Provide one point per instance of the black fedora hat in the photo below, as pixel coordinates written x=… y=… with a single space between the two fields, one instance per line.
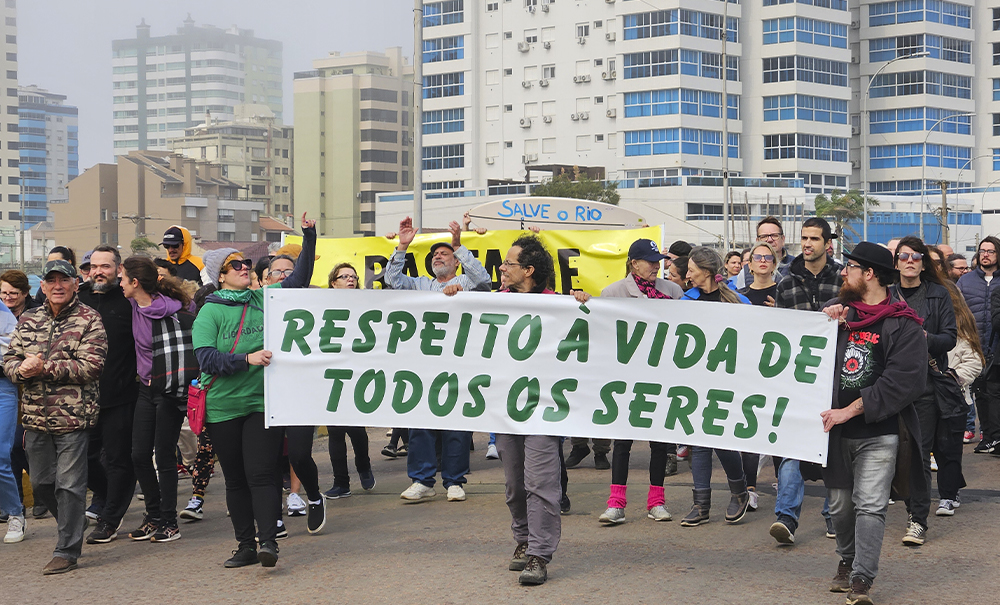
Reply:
x=872 y=255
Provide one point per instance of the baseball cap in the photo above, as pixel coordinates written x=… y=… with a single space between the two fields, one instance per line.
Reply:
x=59 y=266
x=439 y=244
x=645 y=249
x=173 y=237
x=86 y=260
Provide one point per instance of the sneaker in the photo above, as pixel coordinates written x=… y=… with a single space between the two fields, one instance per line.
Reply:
x=39 y=511
x=520 y=557
x=782 y=533
x=491 y=452
x=402 y=450
x=601 y=462
x=968 y=436
x=842 y=581
x=534 y=572
x=316 y=518
x=242 y=557
x=58 y=565
x=268 y=554
x=367 y=481
x=683 y=452
x=193 y=512
x=659 y=513
x=671 y=469
x=146 y=530
x=183 y=472
x=934 y=466
x=15 y=529
x=103 y=534
x=858 y=594
x=753 y=498
x=576 y=456
x=456 y=493
x=296 y=506
x=418 y=492
x=93 y=511
x=336 y=492
x=916 y=534
x=166 y=533
x=612 y=516
x=946 y=508
x=282 y=532
x=986 y=447
x=830 y=531
x=390 y=452
x=564 y=505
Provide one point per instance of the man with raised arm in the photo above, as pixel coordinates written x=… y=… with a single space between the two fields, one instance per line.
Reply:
x=445 y=260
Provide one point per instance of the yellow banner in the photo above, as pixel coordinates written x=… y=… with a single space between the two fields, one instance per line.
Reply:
x=584 y=260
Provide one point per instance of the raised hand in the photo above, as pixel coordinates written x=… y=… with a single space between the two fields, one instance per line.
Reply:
x=456 y=234
x=307 y=223
x=406 y=233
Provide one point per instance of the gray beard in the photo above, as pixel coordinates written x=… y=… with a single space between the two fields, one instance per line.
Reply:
x=441 y=271
x=104 y=288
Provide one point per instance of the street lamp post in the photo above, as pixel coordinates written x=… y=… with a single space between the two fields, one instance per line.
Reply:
x=923 y=165
x=864 y=130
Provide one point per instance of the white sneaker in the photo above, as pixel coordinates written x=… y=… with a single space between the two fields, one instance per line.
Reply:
x=296 y=506
x=418 y=492
x=491 y=452
x=612 y=516
x=754 y=497
x=659 y=513
x=15 y=529
x=946 y=508
x=456 y=493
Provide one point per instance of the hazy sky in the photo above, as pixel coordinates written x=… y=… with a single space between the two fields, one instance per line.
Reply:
x=65 y=45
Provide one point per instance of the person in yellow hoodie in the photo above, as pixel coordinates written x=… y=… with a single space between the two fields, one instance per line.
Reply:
x=177 y=241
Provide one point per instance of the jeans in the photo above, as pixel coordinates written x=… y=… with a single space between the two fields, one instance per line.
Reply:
x=338 y=452
x=156 y=427
x=657 y=462
x=791 y=491
x=493 y=439
x=300 y=441
x=701 y=465
x=116 y=425
x=249 y=456
x=859 y=512
x=59 y=481
x=10 y=499
x=533 y=489
x=421 y=461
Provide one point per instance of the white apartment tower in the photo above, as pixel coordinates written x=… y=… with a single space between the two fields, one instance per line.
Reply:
x=9 y=154
x=165 y=84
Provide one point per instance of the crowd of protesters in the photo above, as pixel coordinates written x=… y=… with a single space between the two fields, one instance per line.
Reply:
x=97 y=368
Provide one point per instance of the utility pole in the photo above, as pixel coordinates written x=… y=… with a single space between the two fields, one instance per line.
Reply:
x=944 y=212
x=135 y=218
x=418 y=120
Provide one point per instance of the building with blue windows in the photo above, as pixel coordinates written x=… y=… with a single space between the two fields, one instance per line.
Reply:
x=49 y=150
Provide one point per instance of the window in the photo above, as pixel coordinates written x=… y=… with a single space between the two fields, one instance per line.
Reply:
x=805 y=69
x=667 y=141
x=492 y=7
x=582 y=30
x=444 y=85
x=444 y=13
x=548 y=72
x=227 y=216
x=650 y=64
x=779 y=30
x=650 y=25
x=380 y=136
x=996 y=124
x=909 y=11
x=444 y=49
x=444 y=120
x=378 y=155
x=443 y=156
x=806 y=146
x=379 y=176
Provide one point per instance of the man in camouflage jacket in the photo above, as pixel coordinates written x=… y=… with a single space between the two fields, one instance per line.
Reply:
x=57 y=353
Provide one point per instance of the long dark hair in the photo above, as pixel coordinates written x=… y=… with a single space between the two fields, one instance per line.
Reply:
x=144 y=271
x=67 y=254
x=930 y=271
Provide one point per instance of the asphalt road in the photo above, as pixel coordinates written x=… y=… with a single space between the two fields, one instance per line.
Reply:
x=376 y=549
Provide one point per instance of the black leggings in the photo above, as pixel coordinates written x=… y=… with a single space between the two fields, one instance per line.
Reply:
x=300 y=440
x=750 y=464
x=338 y=452
x=249 y=456
x=657 y=461
x=156 y=426
x=396 y=435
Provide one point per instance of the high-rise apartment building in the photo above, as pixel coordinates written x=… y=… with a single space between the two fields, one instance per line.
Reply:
x=353 y=137
x=9 y=156
x=49 y=148
x=165 y=84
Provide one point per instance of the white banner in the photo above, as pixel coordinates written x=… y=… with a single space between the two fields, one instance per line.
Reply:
x=735 y=377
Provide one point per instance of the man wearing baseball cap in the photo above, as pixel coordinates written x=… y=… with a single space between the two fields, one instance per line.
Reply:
x=880 y=369
x=85 y=267
x=57 y=354
x=177 y=242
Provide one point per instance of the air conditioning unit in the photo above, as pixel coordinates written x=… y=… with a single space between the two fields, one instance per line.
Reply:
x=546 y=45
x=612 y=113
x=574 y=116
x=855 y=164
x=855 y=25
x=543 y=83
x=523 y=47
x=855 y=59
x=581 y=40
x=526 y=84
x=855 y=130
x=532 y=157
x=525 y=122
x=531 y=9
x=547 y=119
x=585 y=78
x=606 y=75
x=584 y=115
x=490 y=161
x=576 y=78
x=545 y=8
x=614 y=74
x=610 y=36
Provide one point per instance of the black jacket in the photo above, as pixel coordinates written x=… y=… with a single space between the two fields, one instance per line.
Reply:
x=802 y=290
x=978 y=295
x=188 y=271
x=939 y=321
x=119 y=380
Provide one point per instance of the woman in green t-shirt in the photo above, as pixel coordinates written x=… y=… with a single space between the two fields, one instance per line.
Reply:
x=228 y=339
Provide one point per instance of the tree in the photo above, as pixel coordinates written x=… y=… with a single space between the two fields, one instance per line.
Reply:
x=141 y=245
x=841 y=208
x=580 y=187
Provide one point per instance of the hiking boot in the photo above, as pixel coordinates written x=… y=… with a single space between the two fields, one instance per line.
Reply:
x=58 y=565
x=842 y=581
x=671 y=465
x=243 y=556
x=520 y=557
x=738 y=503
x=146 y=530
x=534 y=572
x=601 y=462
x=858 y=595
x=268 y=554
x=916 y=534
x=103 y=534
x=659 y=513
x=699 y=511
x=782 y=533
x=316 y=517
x=612 y=516
x=576 y=455
x=193 y=511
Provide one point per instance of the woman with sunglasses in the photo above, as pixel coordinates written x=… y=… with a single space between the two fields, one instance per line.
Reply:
x=228 y=340
x=762 y=265
x=921 y=285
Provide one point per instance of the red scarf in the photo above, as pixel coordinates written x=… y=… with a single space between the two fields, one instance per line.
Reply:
x=648 y=288
x=869 y=314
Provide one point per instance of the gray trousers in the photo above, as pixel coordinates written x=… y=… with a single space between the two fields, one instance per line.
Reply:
x=601 y=446
x=533 y=489
x=59 y=481
x=859 y=513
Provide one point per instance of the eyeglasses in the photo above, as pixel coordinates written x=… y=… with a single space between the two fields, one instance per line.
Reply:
x=347 y=277
x=171 y=246
x=11 y=294
x=769 y=236
x=987 y=252
x=510 y=264
x=239 y=265
x=962 y=269
x=282 y=272
x=905 y=256
x=850 y=266
x=768 y=257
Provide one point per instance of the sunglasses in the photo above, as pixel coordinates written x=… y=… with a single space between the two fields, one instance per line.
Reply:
x=171 y=246
x=239 y=265
x=768 y=257
x=905 y=256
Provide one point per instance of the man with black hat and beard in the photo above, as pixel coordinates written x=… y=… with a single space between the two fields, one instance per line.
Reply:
x=881 y=368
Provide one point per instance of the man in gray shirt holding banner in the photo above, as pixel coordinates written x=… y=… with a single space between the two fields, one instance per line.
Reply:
x=445 y=259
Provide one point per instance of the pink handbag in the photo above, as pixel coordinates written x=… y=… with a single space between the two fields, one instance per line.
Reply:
x=198 y=395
